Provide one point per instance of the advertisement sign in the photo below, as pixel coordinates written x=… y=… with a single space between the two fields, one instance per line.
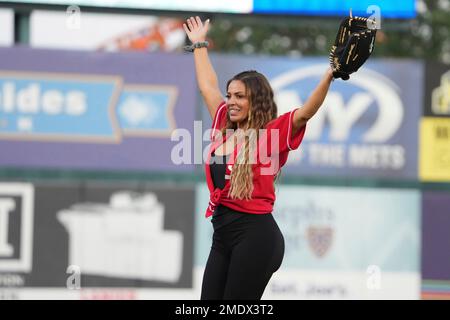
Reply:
x=388 y=9
x=434 y=152
x=79 y=30
x=340 y=243
x=111 y=111
x=366 y=127
x=86 y=240
x=434 y=149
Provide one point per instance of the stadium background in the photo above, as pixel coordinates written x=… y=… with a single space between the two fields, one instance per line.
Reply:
x=102 y=189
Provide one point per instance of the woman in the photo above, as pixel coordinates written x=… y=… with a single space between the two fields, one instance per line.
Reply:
x=248 y=246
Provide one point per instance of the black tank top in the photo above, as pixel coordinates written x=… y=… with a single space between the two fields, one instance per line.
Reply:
x=218 y=167
x=222 y=215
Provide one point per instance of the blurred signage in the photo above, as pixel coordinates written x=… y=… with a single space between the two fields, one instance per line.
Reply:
x=58 y=106
x=117 y=32
x=87 y=241
x=437 y=90
x=16 y=226
x=75 y=107
x=367 y=126
x=81 y=110
x=340 y=243
x=434 y=149
x=388 y=9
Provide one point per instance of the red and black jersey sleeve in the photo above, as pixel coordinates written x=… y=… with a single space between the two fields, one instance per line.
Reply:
x=281 y=128
x=219 y=121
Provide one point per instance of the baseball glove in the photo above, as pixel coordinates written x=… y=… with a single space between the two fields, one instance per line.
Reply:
x=353 y=46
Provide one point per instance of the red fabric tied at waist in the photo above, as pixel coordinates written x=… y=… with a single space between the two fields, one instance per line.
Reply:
x=214 y=201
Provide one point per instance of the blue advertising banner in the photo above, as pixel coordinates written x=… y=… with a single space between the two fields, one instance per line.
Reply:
x=367 y=126
x=76 y=110
x=77 y=240
x=57 y=106
x=387 y=9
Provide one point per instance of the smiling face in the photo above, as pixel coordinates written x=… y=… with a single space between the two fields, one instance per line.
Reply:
x=238 y=103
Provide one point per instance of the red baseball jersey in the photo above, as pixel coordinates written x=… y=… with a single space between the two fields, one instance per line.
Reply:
x=272 y=150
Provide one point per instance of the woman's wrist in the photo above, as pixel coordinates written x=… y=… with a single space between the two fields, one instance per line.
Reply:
x=329 y=74
x=196 y=45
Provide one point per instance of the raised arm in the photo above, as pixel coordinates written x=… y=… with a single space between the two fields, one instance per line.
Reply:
x=206 y=76
x=315 y=100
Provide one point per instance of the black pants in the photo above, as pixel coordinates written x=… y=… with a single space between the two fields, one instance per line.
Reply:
x=244 y=255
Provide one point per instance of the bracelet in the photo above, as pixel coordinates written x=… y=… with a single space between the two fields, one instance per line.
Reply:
x=192 y=47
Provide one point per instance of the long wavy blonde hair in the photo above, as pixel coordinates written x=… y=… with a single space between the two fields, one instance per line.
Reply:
x=262 y=110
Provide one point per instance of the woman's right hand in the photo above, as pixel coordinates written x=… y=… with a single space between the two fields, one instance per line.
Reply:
x=195 y=29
